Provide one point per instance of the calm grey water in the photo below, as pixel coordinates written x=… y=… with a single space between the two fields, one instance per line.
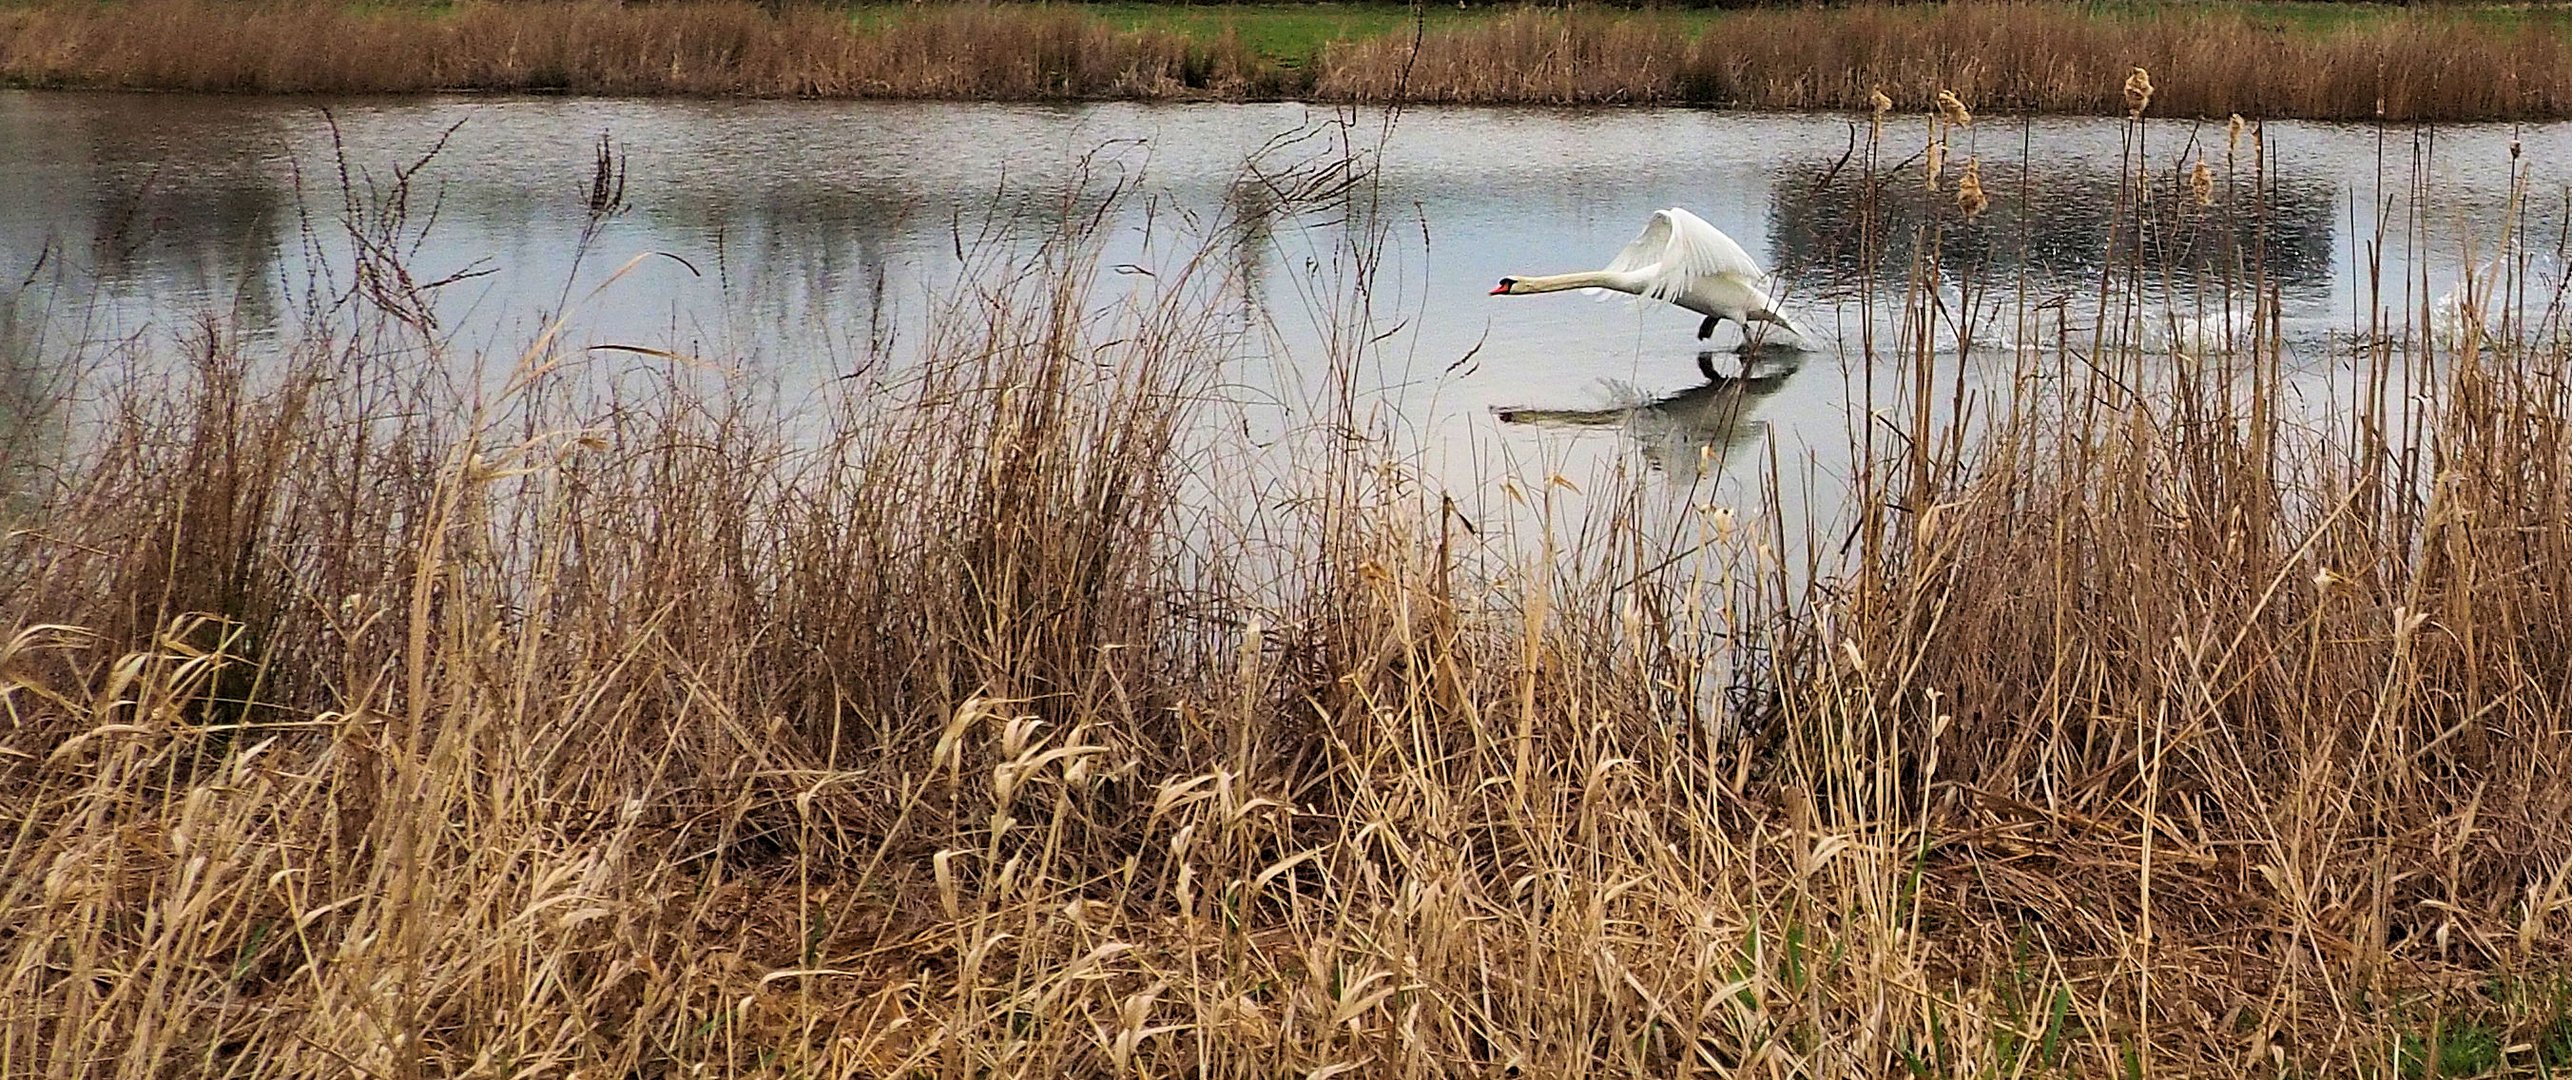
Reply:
x=823 y=232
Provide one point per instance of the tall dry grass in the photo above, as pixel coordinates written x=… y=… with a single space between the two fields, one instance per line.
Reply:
x=2015 y=57
x=708 y=47
x=2424 y=64
x=364 y=721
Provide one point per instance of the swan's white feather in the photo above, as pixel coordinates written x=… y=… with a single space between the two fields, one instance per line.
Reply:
x=1677 y=250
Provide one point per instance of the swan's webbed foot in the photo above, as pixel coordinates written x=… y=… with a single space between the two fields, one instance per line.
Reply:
x=1706 y=329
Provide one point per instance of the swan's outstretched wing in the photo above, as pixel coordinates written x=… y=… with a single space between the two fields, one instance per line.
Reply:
x=1678 y=249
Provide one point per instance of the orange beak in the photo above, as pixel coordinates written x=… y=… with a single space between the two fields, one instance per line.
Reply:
x=1501 y=289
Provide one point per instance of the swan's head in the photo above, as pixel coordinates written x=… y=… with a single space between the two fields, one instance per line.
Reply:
x=1507 y=286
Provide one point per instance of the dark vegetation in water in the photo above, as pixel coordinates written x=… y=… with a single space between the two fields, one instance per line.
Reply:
x=2266 y=61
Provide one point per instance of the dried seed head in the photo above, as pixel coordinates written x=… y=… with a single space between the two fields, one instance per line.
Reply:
x=1953 y=109
x=1882 y=103
x=1969 y=189
x=1937 y=162
x=2201 y=183
x=1723 y=522
x=2138 y=93
x=2233 y=134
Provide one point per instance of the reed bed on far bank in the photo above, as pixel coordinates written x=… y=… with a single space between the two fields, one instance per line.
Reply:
x=2409 y=64
x=2013 y=56
x=594 y=47
x=359 y=723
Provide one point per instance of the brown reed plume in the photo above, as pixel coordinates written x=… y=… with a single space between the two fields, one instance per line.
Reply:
x=1969 y=189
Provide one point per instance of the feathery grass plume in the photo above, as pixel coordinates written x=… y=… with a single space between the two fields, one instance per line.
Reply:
x=2201 y=183
x=2138 y=93
x=1969 y=189
x=1953 y=109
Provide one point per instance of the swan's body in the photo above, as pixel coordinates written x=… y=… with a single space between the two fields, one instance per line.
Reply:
x=1682 y=260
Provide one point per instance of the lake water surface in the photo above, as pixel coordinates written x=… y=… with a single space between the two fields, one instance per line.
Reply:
x=822 y=233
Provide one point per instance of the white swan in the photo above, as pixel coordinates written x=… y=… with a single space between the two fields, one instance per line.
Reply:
x=1682 y=260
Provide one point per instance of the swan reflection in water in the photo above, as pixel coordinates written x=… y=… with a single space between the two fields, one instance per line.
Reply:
x=1690 y=431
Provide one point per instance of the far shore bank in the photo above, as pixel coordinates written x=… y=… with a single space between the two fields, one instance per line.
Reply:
x=2274 y=61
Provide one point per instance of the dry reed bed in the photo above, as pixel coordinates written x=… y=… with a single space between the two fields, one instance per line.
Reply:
x=717 y=48
x=2410 y=65
x=354 y=726
x=2017 y=57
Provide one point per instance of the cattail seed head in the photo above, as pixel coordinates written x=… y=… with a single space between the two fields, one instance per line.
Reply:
x=1969 y=189
x=2201 y=183
x=2233 y=134
x=1937 y=162
x=1953 y=109
x=1881 y=103
x=2138 y=93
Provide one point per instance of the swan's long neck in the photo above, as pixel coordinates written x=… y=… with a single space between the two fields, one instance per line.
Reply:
x=1586 y=279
